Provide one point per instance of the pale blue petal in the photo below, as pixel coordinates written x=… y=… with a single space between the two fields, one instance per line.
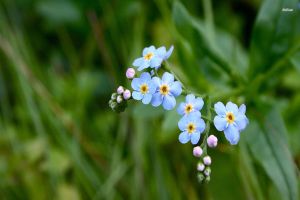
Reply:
x=167 y=77
x=241 y=121
x=190 y=98
x=183 y=123
x=200 y=125
x=147 y=98
x=155 y=62
x=220 y=109
x=161 y=52
x=156 y=81
x=145 y=76
x=169 y=102
x=242 y=109
x=184 y=137
x=195 y=137
x=169 y=52
x=175 y=88
x=232 y=134
x=156 y=99
x=152 y=87
x=180 y=109
x=148 y=50
x=198 y=103
x=137 y=95
x=145 y=65
x=220 y=123
x=231 y=107
x=135 y=84
x=195 y=116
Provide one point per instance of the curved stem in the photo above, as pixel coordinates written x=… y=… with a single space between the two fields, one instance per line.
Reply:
x=206 y=133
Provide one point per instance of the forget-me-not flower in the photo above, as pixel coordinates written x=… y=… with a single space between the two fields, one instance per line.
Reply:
x=231 y=120
x=191 y=126
x=143 y=87
x=152 y=57
x=166 y=91
x=191 y=104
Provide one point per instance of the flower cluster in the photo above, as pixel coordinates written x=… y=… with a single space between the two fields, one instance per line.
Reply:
x=150 y=88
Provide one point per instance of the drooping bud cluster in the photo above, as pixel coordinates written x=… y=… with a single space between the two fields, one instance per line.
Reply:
x=203 y=168
x=118 y=101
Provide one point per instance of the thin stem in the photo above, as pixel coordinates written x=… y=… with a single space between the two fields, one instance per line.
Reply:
x=204 y=144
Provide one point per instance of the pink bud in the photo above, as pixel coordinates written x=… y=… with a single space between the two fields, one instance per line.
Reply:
x=207 y=160
x=200 y=167
x=120 y=90
x=126 y=94
x=212 y=141
x=197 y=151
x=130 y=73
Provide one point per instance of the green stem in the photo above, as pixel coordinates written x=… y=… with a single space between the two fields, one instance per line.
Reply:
x=206 y=133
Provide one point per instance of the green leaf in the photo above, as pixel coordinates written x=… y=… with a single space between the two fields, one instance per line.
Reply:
x=274 y=33
x=295 y=60
x=267 y=140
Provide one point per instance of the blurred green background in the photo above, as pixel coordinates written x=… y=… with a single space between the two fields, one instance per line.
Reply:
x=60 y=60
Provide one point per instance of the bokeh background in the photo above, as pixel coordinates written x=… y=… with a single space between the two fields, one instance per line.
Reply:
x=60 y=60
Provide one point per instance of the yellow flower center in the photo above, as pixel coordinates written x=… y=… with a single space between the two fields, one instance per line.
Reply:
x=188 y=108
x=191 y=128
x=144 y=88
x=230 y=117
x=164 y=89
x=148 y=56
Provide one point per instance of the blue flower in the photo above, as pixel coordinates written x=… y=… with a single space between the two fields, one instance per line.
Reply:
x=190 y=105
x=191 y=126
x=231 y=120
x=144 y=88
x=166 y=91
x=152 y=57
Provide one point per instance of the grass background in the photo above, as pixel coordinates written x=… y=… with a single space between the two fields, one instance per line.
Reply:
x=61 y=60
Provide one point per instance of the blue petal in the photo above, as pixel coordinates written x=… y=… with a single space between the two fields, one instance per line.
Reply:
x=147 y=98
x=148 y=50
x=190 y=98
x=220 y=109
x=156 y=81
x=145 y=65
x=198 y=103
x=175 y=88
x=180 y=109
x=169 y=52
x=138 y=62
x=152 y=87
x=183 y=123
x=156 y=99
x=169 y=102
x=135 y=84
x=155 y=62
x=241 y=121
x=161 y=52
x=220 y=123
x=145 y=76
x=137 y=95
x=231 y=107
x=167 y=77
x=242 y=109
x=195 y=137
x=184 y=137
x=232 y=134
x=200 y=126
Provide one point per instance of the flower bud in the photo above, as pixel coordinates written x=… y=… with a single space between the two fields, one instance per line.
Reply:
x=119 y=99
x=113 y=105
x=212 y=141
x=200 y=177
x=126 y=94
x=114 y=96
x=207 y=160
x=120 y=90
x=130 y=73
x=207 y=179
x=197 y=151
x=207 y=171
x=200 y=167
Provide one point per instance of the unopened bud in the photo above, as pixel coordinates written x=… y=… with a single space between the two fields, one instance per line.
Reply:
x=119 y=99
x=207 y=171
x=207 y=160
x=212 y=141
x=120 y=90
x=200 y=166
x=197 y=151
x=126 y=94
x=130 y=73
